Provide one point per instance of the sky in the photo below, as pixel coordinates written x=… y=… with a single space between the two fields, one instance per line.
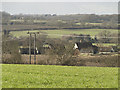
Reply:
x=60 y=8
x=60 y=0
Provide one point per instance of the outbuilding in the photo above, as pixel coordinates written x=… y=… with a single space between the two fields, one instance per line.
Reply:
x=86 y=47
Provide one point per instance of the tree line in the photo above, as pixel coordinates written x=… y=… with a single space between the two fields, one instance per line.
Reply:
x=63 y=21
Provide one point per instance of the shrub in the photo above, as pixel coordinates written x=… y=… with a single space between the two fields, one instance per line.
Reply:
x=10 y=51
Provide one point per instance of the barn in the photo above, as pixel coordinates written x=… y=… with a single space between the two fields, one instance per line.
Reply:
x=86 y=47
x=26 y=51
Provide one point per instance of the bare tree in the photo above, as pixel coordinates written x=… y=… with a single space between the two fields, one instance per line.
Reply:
x=105 y=36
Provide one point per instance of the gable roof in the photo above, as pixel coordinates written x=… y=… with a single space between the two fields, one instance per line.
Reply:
x=83 y=45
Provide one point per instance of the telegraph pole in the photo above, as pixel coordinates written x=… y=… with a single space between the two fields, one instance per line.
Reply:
x=29 y=47
x=30 y=34
x=35 y=48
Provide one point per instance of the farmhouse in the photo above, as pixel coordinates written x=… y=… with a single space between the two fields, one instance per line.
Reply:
x=86 y=47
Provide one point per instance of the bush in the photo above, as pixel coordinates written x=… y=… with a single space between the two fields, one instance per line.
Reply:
x=10 y=51
x=12 y=58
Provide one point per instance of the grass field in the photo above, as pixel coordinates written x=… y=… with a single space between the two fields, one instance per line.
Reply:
x=46 y=76
x=105 y=44
x=90 y=24
x=59 y=33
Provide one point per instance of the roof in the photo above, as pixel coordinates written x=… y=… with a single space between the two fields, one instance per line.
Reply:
x=84 y=44
x=105 y=49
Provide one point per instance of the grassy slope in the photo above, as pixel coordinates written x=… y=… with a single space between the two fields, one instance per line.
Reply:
x=45 y=76
x=92 y=32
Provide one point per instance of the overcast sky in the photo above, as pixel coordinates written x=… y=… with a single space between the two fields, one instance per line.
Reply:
x=61 y=7
x=60 y=0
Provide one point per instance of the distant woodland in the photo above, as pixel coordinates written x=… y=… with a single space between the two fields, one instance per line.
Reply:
x=72 y=21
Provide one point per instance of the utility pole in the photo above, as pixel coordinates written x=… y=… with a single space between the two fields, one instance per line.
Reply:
x=35 y=48
x=30 y=34
x=29 y=47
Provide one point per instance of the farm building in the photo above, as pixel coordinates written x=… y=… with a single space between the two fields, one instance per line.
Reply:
x=46 y=46
x=42 y=50
x=108 y=49
x=115 y=48
x=86 y=47
x=26 y=51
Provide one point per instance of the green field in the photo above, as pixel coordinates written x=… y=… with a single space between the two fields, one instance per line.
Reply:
x=105 y=44
x=46 y=76
x=90 y=24
x=59 y=33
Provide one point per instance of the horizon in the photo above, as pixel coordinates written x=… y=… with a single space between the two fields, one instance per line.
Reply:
x=60 y=8
x=56 y=14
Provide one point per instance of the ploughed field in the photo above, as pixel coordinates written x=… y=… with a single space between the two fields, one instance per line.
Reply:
x=51 y=76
